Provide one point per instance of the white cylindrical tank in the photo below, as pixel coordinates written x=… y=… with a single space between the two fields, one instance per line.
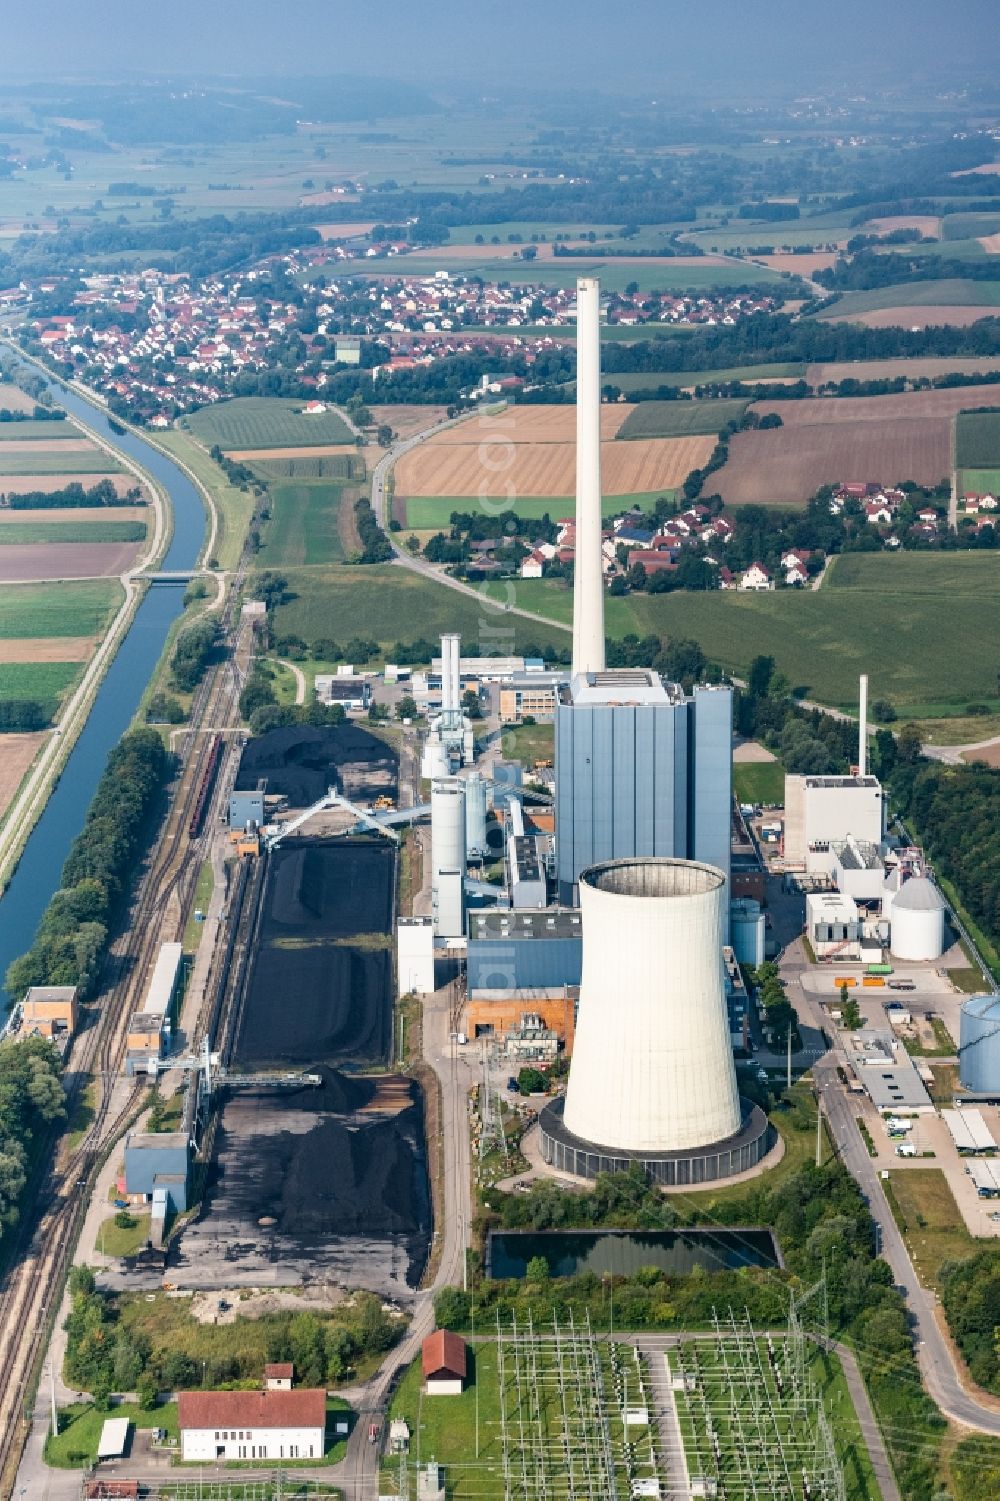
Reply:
x=746 y=930
x=652 y=1066
x=475 y=814
x=448 y=856
x=979 y=1044
x=917 y=920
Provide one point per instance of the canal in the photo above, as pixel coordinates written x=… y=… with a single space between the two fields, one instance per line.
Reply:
x=37 y=873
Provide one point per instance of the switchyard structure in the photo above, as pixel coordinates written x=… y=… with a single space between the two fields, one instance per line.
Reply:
x=752 y=1420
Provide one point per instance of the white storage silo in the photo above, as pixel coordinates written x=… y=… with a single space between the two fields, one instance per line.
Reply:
x=652 y=1068
x=746 y=930
x=475 y=815
x=448 y=856
x=979 y=1044
x=917 y=929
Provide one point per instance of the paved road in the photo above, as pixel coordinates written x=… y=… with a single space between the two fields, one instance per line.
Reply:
x=380 y=475
x=934 y=1354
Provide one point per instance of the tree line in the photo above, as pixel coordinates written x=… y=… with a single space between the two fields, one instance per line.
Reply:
x=73 y=495
x=31 y=1098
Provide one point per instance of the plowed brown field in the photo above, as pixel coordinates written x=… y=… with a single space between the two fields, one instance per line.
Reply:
x=16 y=754
x=787 y=465
x=547 y=468
x=555 y=424
x=46 y=648
x=66 y=560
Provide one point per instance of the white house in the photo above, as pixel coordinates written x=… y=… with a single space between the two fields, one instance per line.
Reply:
x=531 y=566
x=252 y=1425
x=756 y=577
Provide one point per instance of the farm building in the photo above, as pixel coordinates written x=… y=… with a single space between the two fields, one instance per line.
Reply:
x=252 y=1425
x=278 y=1377
x=444 y=1364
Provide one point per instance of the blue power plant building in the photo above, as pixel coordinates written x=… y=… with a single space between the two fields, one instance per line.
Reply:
x=642 y=768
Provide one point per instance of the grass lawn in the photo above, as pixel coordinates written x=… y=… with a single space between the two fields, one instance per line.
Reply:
x=928 y=1216
x=759 y=781
x=80 y=1427
x=39 y=680
x=959 y=729
x=977 y=439
x=114 y=1240
x=433 y=512
x=528 y=742
x=676 y=419
x=266 y=422
x=234 y=506
x=82 y=1117
x=15 y=533
x=968 y=980
x=797 y=1128
x=387 y=603
x=303 y=524
x=202 y=896
x=648 y=380
x=907 y=621
x=77 y=609
x=72 y=461
x=444 y=1428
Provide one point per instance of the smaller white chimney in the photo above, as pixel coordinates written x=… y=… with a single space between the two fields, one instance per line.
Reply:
x=863 y=728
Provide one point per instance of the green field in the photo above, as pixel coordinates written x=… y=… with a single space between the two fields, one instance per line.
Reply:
x=948 y=292
x=12 y=432
x=977 y=439
x=80 y=609
x=969 y=226
x=648 y=380
x=931 y=1223
x=791 y=232
x=13 y=533
x=90 y=461
x=677 y=419
x=563 y=272
x=528 y=742
x=759 y=781
x=314 y=466
x=444 y=1428
x=233 y=506
x=388 y=603
x=45 y=681
x=908 y=621
x=266 y=422
x=433 y=512
x=979 y=481
x=959 y=249
x=80 y=1430
x=303 y=525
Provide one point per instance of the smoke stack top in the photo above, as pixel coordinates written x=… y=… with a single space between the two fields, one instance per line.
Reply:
x=863 y=726
x=588 y=578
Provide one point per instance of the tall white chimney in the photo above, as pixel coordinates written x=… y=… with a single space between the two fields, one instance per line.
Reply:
x=588 y=579
x=863 y=727
x=451 y=691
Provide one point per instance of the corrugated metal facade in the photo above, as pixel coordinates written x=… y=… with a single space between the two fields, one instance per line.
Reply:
x=523 y=963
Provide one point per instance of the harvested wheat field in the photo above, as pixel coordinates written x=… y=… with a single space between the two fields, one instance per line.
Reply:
x=320 y=451
x=805 y=265
x=346 y=231
x=990 y=243
x=925 y=404
x=12 y=444
x=26 y=484
x=66 y=560
x=641 y=466
x=528 y=424
x=46 y=648
x=14 y=399
x=787 y=465
x=16 y=755
x=914 y=317
x=407 y=421
x=54 y=514
x=929 y=225
x=929 y=367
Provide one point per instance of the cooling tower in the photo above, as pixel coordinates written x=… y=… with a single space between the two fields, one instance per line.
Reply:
x=588 y=576
x=652 y=1076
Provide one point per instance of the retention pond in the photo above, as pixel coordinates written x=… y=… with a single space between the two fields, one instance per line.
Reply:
x=621 y=1252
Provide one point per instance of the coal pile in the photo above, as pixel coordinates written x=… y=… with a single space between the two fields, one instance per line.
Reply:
x=320 y=1182
x=301 y=763
x=313 y=995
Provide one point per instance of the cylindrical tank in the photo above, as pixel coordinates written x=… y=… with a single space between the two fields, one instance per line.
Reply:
x=917 y=920
x=652 y=1066
x=448 y=856
x=979 y=1044
x=746 y=930
x=475 y=814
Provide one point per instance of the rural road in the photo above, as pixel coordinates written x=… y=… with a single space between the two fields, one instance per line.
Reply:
x=380 y=475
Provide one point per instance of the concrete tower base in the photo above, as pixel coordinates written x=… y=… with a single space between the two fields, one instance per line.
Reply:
x=708 y=1164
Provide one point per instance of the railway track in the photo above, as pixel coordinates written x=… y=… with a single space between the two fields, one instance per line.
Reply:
x=31 y=1290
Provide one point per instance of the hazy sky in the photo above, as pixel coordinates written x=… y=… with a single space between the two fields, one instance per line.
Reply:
x=710 y=42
